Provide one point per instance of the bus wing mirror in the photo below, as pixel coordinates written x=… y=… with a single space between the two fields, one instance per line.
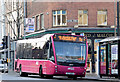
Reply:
x=47 y=45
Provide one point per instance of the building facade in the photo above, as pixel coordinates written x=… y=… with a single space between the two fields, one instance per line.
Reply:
x=71 y=14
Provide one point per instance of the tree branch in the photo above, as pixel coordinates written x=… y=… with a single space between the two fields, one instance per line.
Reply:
x=11 y=13
x=11 y=26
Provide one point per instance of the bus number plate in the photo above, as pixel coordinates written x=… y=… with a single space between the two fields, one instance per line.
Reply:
x=67 y=73
x=70 y=68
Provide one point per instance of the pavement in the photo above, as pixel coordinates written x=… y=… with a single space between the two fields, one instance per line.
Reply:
x=96 y=77
x=92 y=77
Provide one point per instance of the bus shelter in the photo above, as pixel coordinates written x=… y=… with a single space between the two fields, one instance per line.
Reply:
x=109 y=57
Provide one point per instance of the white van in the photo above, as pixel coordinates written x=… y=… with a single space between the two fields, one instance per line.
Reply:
x=3 y=66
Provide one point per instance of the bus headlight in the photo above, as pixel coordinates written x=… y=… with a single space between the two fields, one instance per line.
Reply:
x=56 y=68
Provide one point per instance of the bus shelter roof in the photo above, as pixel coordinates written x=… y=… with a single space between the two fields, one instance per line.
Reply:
x=111 y=39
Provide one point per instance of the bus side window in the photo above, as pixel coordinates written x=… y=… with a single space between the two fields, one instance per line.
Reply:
x=46 y=50
x=51 y=56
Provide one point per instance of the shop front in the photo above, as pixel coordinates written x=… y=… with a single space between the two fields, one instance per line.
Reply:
x=93 y=41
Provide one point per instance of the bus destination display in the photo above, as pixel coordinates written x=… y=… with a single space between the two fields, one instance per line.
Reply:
x=69 y=38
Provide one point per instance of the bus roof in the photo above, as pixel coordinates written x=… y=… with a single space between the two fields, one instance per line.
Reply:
x=37 y=42
x=111 y=39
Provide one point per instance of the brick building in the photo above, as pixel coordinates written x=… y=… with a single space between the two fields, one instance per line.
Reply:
x=94 y=19
x=72 y=11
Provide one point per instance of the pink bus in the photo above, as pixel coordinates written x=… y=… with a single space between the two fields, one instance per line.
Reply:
x=52 y=55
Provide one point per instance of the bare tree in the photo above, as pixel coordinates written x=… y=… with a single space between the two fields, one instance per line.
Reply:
x=17 y=8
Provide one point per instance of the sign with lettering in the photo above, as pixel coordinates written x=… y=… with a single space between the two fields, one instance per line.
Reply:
x=98 y=35
x=72 y=20
x=30 y=24
x=70 y=38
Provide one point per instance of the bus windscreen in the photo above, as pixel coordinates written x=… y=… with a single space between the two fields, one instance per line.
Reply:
x=70 y=53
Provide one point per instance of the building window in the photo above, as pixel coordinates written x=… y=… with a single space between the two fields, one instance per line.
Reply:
x=37 y=23
x=42 y=21
x=59 y=18
x=102 y=17
x=83 y=17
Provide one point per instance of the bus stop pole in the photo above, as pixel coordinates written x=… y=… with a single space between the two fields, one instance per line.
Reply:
x=118 y=40
x=24 y=18
x=117 y=17
x=8 y=52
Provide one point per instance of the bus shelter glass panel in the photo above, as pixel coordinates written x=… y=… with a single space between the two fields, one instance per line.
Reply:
x=103 y=59
x=114 y=59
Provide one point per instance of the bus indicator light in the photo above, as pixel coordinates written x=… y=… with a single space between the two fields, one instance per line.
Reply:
x=55 y=66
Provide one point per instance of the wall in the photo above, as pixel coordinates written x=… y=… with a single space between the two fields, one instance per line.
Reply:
x=72 y=8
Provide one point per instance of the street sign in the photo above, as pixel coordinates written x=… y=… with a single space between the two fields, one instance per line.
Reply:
x=72 y=20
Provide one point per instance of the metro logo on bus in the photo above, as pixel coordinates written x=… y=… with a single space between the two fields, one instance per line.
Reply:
x=69 y=38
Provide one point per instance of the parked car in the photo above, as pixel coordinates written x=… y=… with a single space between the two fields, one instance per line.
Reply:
x=3 y=66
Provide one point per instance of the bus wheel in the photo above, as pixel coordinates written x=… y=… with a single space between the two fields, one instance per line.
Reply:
x=22 y=73
x=2 y=71
x=74 y=78
x=70 y=76
x=49 y=76
x=40 y=71
x=100 y=76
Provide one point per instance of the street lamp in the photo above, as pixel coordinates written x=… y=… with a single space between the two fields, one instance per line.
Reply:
x=118 y=40
x=117 y=17
x=24 y=18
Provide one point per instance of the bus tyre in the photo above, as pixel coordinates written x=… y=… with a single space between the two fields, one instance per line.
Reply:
x=100 y=76
x=40 y=71
x=70 y=76
x=6 y=71
x=2 y=71
x=22 y=73
x=74 y=78
x=49 y=76
x=116 y=76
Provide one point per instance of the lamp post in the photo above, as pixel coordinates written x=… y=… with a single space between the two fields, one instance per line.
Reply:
x=117 y=17
x=118 y=40
x=24 y=18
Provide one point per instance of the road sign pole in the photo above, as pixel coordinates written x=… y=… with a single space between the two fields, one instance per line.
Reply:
x=8 y=52
x=117 y=17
